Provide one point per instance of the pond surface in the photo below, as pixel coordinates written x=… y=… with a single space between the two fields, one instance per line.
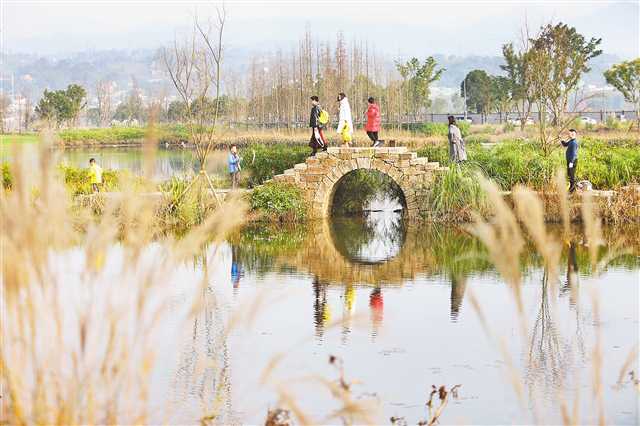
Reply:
x=168 y=162
x=394 y=304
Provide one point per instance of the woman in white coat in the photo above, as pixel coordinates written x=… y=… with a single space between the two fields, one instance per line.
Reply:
x=345 y=122
x=457 y=150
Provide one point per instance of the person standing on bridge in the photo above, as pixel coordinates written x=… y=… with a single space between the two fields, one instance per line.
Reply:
x=457 y=151
x=317 y=120
x=345 y=122
x=572 y=157
x=373 y=123
x=234 y=166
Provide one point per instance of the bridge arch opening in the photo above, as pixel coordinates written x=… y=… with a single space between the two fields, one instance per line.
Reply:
x=365 y=191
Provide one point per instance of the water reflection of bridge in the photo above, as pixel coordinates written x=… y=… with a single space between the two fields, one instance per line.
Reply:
x=419 y=251
x=321 y=257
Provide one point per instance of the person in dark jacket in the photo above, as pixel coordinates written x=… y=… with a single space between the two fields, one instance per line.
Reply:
x=571 y=156
x=317 y=140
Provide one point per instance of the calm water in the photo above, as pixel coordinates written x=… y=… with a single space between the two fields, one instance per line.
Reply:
x=168 y=162
x=394 y=303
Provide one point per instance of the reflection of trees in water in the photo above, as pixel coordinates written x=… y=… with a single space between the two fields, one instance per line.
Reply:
x=202 y=381
x=356 y=190
x=258 y=245
x=321 y=314
x=550 y=356
x=458 y=287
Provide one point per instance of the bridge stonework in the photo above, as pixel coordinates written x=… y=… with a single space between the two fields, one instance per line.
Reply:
x=317 y=177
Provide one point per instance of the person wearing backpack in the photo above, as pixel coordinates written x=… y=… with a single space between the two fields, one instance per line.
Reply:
x=317 y=120
x=373 y=123
x=345 y=123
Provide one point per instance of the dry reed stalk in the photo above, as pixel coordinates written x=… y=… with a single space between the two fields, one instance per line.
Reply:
x=531 y=214
x=502 y=237
x=82 y=307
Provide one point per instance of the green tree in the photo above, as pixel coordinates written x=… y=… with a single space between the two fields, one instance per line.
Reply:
x=76 y=96
x=417 y=79
x=559 y=57
x=518 y=68
x=176 y=111
x=625 y=77
x=62 y=106
x=479 y=90
x=501 y=94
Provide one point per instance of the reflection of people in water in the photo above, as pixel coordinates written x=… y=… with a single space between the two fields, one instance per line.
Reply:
x=571 y=286
x=321 y=313
x=349 y=300
x=458 y=286
x=376 y=305
x=236 y=268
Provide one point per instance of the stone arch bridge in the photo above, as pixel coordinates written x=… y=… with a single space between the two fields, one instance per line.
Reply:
x=318 y=176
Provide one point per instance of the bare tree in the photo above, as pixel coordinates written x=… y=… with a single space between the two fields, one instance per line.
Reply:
x=103 y=93
x=5 y=103
x=194 y=67
x=519 y=68
x=212 y=38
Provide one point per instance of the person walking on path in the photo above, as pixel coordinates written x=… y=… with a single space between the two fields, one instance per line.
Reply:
x=317 y=140
x=95 y=175
x=345 y=122
x=457 y=151
x=234 y=166
x=373 y=123
x=571 y=156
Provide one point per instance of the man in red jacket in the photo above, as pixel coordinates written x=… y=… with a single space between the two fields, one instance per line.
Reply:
x=373 y=123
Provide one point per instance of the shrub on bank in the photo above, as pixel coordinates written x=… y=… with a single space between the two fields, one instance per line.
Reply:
x=279 y=202
x=7 y=181
x=606 y=166
x=77 y=180
x=181 y=210
x=264 y=162
x=453 y=196
x=442 y=129
x=103 y=135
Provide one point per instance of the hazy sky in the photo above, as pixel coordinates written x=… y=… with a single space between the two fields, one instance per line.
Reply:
x=397 y=27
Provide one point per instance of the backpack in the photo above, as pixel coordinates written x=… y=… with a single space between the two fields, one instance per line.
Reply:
x=323 y=117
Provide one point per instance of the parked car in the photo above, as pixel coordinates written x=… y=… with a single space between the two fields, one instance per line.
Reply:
x=588 y=120
x=461 y=118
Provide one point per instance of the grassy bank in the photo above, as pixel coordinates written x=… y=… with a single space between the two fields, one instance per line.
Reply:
x=277 y=202
x=606 y=166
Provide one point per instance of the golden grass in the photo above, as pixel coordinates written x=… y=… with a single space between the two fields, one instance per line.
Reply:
x=503 y=237
x=81 y=305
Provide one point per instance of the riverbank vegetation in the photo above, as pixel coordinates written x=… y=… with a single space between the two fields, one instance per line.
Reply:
x=607 y=165
x=278 y=202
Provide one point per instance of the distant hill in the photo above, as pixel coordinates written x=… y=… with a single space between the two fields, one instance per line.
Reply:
x=32 y=74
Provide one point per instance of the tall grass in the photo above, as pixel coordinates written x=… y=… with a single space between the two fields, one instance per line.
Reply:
x=82 y=306
x=453 y=196
x=511 y=163
x=503 y=237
